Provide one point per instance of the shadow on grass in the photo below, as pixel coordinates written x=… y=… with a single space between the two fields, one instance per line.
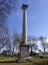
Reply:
x=8 y=62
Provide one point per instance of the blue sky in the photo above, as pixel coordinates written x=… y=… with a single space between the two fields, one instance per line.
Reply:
x=37 y=17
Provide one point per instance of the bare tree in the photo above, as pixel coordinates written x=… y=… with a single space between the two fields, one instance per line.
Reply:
x=43 y=42
x=6 y=6
x=32 y=42
x=15 y=40
x=4 y=37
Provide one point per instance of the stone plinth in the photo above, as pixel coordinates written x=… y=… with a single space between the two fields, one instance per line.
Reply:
x=24 y=53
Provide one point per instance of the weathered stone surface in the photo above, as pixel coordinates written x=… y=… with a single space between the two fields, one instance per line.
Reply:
x=24 y=54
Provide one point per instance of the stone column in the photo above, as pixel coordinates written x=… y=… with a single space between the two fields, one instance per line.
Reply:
x=24 y=47
x=24 y=30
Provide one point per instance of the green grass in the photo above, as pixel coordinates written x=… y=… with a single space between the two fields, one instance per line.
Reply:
x=35 y=61
x=7 y=58
x=39 y=61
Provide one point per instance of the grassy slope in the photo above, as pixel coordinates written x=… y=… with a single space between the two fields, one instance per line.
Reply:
x=35 y=61
x=39 y=61
x=3 y=58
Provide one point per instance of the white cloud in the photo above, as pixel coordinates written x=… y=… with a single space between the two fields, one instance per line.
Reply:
x=46 y=40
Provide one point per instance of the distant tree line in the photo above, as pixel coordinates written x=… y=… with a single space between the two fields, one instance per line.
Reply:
x=12 y=42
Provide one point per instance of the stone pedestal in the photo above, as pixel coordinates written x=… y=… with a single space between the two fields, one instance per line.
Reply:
x=24 y=53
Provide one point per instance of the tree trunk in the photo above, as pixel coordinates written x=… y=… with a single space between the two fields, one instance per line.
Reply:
x=31 y=50
x=44 y=50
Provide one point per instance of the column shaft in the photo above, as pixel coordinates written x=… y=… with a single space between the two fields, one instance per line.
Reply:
x=24 y=31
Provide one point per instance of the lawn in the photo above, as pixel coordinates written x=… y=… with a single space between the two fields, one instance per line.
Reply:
x=7 y=58
x=35 y=61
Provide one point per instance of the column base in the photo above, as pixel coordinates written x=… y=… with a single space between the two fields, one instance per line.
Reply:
x=24 y=53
